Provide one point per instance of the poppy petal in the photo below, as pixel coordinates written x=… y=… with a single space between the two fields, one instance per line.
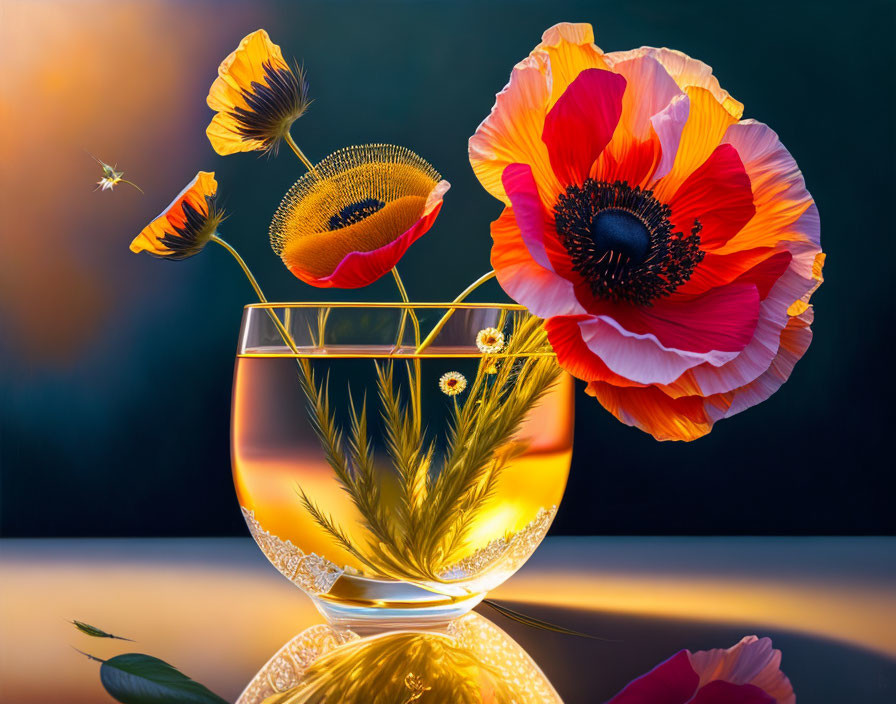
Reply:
x=719 y=692
x=574 y=355
x=779 y=191
x=668 y=125
x=756 y=357
x=537 y=226
x=649 y=90
x=670 y=682
x=751 y=661
x=525 y=280
x=627 y=159
x=722 y=319
x=718 y=195
x=766 y=273
x=794 y=341
x=224 y=135
x=512 y=133
x=241 y=67
x=519 y=183
x=702 y=133
x=581 y=123
x=652 y=411
x=640 y=357
x=634 y=152
x=685 y=71
x=569 y=48
x=721 y=269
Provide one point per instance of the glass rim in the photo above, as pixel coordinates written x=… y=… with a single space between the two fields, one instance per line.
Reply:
x=387 y=304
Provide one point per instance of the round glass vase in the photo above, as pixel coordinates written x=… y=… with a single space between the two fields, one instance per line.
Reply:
x=387 y=462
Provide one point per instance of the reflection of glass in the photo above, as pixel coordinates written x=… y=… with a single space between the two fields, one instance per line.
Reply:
x=283 y=475
x=470 y=661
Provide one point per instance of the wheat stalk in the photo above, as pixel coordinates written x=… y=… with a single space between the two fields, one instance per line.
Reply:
x=429 y=528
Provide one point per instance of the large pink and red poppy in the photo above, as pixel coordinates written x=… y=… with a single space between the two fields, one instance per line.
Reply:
x=746 y=673
x=671 y=245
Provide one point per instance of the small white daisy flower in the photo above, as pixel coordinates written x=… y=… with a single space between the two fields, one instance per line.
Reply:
x=490 y=341
x=452 y=383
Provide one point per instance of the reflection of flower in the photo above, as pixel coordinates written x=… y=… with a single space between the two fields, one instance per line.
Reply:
x=256 y=96
x=490 y=341
x=349 y=220
x=748 y=673
x=186 y=225
x=672 y=247
x=452 y=383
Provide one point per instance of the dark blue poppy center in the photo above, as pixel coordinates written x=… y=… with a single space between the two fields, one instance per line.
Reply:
x=621 y=242
x=355 y=212
x=620 y=231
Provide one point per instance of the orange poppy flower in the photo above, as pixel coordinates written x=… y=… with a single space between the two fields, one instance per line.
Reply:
x=671 y=245
x=350 y=219
x=186 y=225
x=257 y=97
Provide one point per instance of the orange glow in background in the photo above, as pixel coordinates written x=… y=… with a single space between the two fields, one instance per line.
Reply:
x=125 y=81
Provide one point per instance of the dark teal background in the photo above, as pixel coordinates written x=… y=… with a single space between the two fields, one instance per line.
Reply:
x=130 y=436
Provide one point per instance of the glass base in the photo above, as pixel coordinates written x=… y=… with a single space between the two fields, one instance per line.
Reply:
x=373 y=604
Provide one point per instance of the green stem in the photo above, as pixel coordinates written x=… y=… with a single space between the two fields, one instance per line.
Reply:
x=299 y=153
x=407 y=311
x=243 y=266
x=131 y=183
x=445 y=318
x=284 y=333
x=413 y=378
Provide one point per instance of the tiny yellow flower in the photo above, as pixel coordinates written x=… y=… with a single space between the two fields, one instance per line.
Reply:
x=492 y=368
x=490 y=341
x=452 y=383
x=111 y=177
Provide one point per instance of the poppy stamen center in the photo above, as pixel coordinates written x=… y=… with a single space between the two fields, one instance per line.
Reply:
x=620 y=231
x=355 y=212
x=621 y=242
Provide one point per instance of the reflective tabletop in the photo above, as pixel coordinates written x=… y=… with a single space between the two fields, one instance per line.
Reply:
x=218 y=611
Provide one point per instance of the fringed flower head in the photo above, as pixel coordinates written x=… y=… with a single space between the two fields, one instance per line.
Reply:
x=670 y=245
x=452 y=383
x=186 y=225
x=351 y=218
x=490 y=341
x=257 y=97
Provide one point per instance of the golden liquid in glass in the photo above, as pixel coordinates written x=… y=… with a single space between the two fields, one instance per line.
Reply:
x=275 y=450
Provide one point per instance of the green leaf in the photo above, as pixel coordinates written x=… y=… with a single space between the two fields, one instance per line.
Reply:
x=94 y=631
x=142 y=679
